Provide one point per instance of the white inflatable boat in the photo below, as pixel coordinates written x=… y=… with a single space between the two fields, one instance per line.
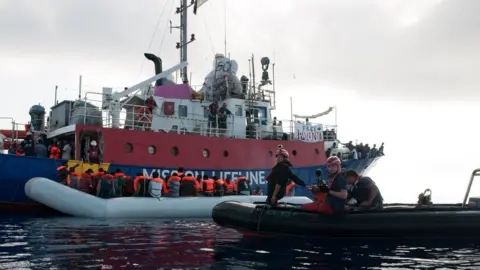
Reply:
x=76 y=203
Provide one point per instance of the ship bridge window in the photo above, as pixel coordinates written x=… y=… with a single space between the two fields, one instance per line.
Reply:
x=259 y=115
x=238 y=110
x=182 y=111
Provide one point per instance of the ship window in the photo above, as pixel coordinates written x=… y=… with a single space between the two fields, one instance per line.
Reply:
x=225 y=153
x=174 y=151
x=128 y=147
x=238 y=110
x=182 y=111
x=152 y=150
x=270 y=153
x=316 y=151
x=205 y=112
x=206 y=153
x=294 y=152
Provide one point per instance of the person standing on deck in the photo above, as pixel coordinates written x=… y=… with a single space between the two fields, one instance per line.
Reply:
x=55 y=151
x=223 y=113
x=66 y=151
x=94 y=153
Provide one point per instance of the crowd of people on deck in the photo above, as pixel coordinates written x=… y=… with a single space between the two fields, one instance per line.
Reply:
x=40 y=148
x=331 y=197
x=357 y=151
x=116 y=184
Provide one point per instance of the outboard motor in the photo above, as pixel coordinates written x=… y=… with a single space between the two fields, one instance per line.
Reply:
x=244 y=83
x=157 y=62
x=37 y=117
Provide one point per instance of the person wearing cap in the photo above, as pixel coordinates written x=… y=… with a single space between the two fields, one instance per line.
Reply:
x=330 y=199
x=364 y=190
x=279 y=176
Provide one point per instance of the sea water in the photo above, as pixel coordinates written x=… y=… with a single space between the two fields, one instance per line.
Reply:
x=74 y=243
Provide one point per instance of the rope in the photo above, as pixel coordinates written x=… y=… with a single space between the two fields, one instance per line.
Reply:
x=209 y=36
x=260 y=217
x=165 y=28
x=154 y=34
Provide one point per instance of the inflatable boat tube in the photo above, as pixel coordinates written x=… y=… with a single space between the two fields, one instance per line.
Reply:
x=406 y=220
x=76 y=203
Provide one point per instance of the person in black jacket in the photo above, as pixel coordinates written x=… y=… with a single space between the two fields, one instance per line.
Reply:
x=279 y=176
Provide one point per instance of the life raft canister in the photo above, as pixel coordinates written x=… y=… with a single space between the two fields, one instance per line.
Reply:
x=143 y=115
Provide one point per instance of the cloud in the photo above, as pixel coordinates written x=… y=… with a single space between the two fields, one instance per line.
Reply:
x=378 y=49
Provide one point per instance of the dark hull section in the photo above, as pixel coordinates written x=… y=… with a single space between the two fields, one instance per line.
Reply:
x=393 y=221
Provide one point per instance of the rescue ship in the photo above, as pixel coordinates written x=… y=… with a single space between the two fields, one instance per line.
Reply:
x=160 y=125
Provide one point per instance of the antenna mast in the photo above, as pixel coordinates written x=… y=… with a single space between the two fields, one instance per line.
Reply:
x=225 y=22
x=182 y=45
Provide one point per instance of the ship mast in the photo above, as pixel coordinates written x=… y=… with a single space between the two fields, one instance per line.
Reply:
x=182 y=45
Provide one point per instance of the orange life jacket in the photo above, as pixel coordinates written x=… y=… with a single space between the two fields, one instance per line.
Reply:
x=210 y=185
x=136 y=182
x=200 y=185
x=85 y=182
x=172 y=178
x=55 y=152
x=290 y=188
x=230 y=187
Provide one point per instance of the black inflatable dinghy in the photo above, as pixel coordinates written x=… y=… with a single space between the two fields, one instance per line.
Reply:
x=393 y=220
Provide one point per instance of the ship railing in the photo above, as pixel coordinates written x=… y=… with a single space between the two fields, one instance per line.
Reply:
x=130 y=117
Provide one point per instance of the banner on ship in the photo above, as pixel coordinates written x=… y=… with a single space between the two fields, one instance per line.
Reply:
x=308 y=133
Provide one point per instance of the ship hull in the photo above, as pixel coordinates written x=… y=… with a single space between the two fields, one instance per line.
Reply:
x=16 y=171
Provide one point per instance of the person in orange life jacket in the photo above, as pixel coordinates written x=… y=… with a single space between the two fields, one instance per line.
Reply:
x=230 y=188
x=85 y=181
x=94 y=153
x=180 y=173
x=219 y=186
x=242 y=186
x=55 y=151
x=140 y=185
x=278 y=177
x=96 y=178
x=173 y=186
x=208 y=186
x=119 y=182
x=156 y=186
x=199 y=184
x=334 y=194
x=188 y=186
x=106 y=186
x=364 y=191
x=63 y=172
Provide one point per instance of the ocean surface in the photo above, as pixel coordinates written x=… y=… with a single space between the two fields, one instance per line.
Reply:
x=74 y=243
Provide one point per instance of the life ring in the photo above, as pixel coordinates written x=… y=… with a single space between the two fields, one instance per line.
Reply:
x=143 y=115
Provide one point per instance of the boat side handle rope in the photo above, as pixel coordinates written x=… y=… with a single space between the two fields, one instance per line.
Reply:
x=475 y=172
x=260 y=217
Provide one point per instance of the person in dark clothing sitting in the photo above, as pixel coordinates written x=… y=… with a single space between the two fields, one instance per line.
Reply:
x=279 y=176
x=364 y=191
x=188 y=186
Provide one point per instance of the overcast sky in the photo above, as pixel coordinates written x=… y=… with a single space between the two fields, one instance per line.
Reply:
x=401 y=71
